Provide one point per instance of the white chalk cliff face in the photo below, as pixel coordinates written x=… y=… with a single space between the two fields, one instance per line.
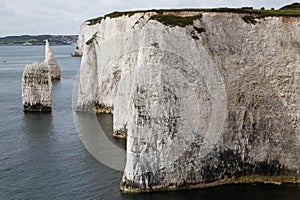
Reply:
x=211 y=102
x=37 y=87
x=52 y=62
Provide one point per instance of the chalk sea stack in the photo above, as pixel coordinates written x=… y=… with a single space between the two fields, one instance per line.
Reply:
x=52 y=62
x=37 y=88
x=205 y=96
x=76 y=53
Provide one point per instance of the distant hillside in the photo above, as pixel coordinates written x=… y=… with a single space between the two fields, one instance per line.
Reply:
x=28 y=40
x=294 y=6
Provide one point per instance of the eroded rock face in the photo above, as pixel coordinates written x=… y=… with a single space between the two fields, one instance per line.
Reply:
x=200 y=108
x=52 y=62
x=37 y=88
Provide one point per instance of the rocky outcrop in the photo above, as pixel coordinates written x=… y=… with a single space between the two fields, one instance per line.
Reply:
x=52 y=62
x=205 y=98
x=77 y=52
x=37 y=88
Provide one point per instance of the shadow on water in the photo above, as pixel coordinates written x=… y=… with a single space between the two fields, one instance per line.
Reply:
x=36 y=121
x=227 y=192
x=106 y=123
x=97 y=143
x=38 y=137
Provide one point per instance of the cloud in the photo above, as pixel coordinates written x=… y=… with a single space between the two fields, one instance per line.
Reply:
x=64 y=17
x=7 y=17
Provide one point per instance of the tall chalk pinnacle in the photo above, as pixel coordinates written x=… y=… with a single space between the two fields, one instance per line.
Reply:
x=52 y=62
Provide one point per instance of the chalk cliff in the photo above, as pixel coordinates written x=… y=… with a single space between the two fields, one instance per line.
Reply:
x=52 y=62
x=37 y=88
x=204 y=98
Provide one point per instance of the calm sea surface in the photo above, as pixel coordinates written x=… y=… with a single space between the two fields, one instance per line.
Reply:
x=42 y=157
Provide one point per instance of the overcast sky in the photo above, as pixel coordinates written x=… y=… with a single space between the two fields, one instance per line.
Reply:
x=19 y=17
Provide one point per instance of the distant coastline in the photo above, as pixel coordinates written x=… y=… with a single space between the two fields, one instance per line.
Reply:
x=33 y=40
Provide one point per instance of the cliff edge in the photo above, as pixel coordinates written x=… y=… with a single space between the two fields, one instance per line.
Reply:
x=204 y=97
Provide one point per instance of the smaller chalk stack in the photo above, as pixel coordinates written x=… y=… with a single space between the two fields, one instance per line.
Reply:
x=52 y=62
x=37 y=88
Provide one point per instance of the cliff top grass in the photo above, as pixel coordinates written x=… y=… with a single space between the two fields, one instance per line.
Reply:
x=292 y=10
x=172 y=20
x=95 y=21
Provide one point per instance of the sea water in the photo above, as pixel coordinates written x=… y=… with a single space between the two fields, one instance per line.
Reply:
x=42 y=156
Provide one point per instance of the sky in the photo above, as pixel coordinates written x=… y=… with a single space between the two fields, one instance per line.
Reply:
x=34 y=17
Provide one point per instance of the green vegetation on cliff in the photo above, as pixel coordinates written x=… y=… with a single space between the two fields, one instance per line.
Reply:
x=249 y=19
x=94 y=21
x=172 y=20
x=275 y=13
x=167 y=17
x=120 y=14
